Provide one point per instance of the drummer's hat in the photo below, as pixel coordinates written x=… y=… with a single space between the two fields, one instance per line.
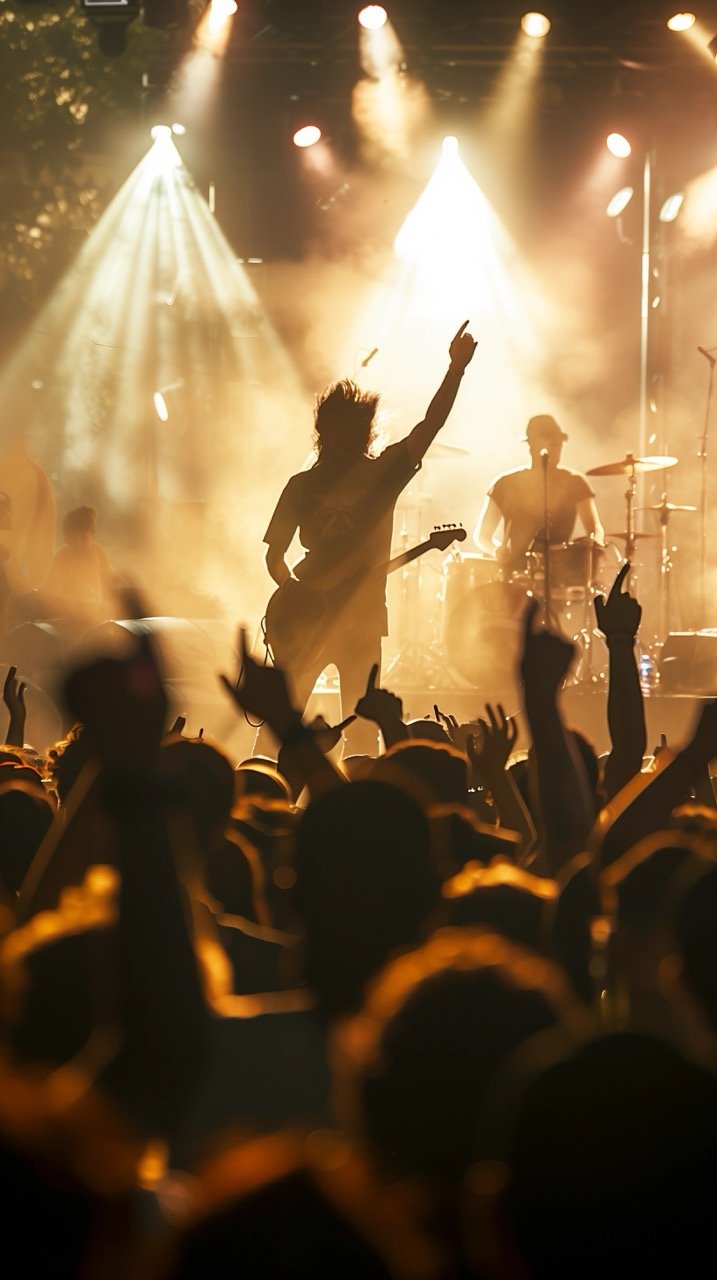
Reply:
x=544 y=427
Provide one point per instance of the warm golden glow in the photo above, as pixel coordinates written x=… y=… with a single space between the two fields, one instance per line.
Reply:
x=681 y=21
x=618 y=145
x=307 y=136
x=535 y=25
x=372 y=17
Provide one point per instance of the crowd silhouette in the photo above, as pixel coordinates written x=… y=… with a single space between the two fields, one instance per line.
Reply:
x=442 y=1010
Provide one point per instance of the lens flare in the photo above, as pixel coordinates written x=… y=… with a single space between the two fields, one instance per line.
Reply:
x=307 y=136
x=372 y=17
x=618 y=145
x=535 y=25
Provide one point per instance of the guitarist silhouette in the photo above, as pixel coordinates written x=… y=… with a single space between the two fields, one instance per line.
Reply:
x=343 y=509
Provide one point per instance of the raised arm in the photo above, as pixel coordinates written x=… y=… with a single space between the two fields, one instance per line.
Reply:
x=461 y=353
x=650 y=807
x=618 y=617
x=160 y=1001
x=565 y=804
x=263 y=691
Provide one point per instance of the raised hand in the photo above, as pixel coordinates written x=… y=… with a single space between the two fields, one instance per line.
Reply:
x=378 y=705
x=122 y=704
x=14 y=698
x=620 y=614
x=489 y=750
x=261 y=691
x=328 y=736
x=546 y=657
x=462 y=348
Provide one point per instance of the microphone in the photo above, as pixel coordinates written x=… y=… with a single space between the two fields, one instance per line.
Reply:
x=369 y=357
x=544 y=456
x=707 y=356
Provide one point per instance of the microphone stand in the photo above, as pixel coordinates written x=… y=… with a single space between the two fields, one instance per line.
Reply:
x=547 y=584
x=702 y=455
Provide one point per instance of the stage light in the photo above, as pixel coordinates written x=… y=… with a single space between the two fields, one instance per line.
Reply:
x=112 y=18
x=372 y=17
x=681 y=21
x=619 y=202
x=165 y=398
x=223 y=9
x=618 y=145
x=449 y=146
x=307 y=136
x=160 y=133
x=712 y=48
x=535 y=25
x=672 y=206
x=178 y=129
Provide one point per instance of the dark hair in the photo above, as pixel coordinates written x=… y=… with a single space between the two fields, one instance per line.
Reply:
x=345 y=408
x=79 y=520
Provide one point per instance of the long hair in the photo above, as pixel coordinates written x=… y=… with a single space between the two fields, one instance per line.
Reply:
x=344 y=410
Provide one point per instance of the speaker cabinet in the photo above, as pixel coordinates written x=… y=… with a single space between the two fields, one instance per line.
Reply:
x=689 y=662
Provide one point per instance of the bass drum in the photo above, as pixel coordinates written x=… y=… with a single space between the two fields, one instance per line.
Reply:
x=463 y=573
x=482 y=635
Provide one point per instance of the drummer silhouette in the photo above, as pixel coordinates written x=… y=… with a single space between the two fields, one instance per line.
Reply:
x=537 y=506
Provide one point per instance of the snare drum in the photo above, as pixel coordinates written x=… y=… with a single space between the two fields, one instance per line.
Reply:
x=574 y=566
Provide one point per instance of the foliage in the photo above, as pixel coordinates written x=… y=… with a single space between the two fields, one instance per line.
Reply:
x=59 y=97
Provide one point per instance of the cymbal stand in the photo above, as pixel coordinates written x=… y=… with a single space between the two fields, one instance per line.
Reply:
x=547 y=582
x=630 y=509
x=665 y=571
x=702 y=455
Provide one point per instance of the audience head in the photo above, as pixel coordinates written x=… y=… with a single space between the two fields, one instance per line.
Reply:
x=259 y=776
x=25 y=817
x=502 y=898
x=432 y=772
x=80 y=524
x=613 y=1162
x=436 y=1027
x=366 y=886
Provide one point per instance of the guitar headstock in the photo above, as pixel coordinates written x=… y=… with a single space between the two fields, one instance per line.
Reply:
x=444 y=534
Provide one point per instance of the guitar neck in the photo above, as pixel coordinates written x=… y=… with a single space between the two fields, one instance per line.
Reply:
x=397 y=562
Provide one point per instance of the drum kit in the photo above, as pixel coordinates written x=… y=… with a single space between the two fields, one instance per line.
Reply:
x=482 y=602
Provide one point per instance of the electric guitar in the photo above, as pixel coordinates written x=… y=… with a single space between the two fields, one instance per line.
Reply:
x=301 y=617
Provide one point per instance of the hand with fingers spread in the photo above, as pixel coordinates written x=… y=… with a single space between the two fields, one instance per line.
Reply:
x=459 y=734
x=462 y=348
x=620 y=613
x=546 y=657
x=14 y=698
x=489 y=750
x=262 y=691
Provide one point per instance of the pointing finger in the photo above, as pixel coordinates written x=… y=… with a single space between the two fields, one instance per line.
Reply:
x=622 y=574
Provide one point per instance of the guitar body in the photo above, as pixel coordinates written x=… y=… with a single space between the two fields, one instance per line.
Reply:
x=297 y=622
x=300 y=619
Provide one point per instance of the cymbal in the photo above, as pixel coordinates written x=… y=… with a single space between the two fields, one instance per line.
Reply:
x=442 y=449
x=629 y=463
x=623 y=536
x=668 y=506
